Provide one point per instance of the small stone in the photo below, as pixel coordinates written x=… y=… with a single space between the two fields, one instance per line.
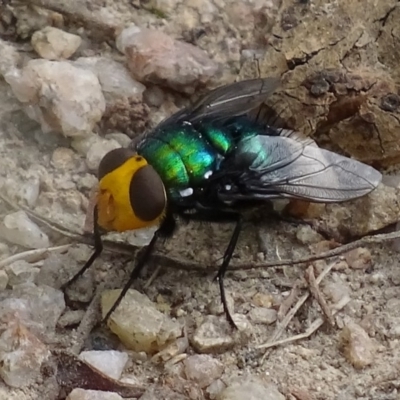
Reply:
x=164 y=8
x=323 y=246
x=215 y=388
x=378 y=278
x=27 y=191
x=21 y=356
x=154 y=96
x=110 y=362
x=56 y=268
x=61 y=97
x=357 y=346
x=202 y=369
x=359 y=258
x=242 y=323
x=340 y=266
x=70 y=317
x=127 y=115
x=17 y=228
x=138 y=323
x=141 y=237
x=392 y=181
x=303 y=209
x=82 y=144
x=305 y=353
x=12 y=307
x=394 y=275
x=212 y=336
x=4 y=250
x=252 y=389
x=163 y=392
x=335 y=291
x=306 y=235
x=30 y=19
x=216 y=307
x=55 y=44
x=155 y=57
x=263 y=300
x=173 y=350
x=66 y=159
x=85 y=182
x=121 y=138
x=46 y=304
x=81 y=394
x=394 y=331
x=98 y=150
x=3 y=279
x=114 y=78
x=10 y=57
x=21 y=272
x=82 y=290
x=261 y=315
x=343 y=221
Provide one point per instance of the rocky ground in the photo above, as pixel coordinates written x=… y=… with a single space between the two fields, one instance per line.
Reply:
x=78 y=79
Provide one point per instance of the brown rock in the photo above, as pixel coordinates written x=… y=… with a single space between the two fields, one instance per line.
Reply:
x=362 y=216
x=203 y=369
x=359 y=258
x=155 y=57
x=357 y=346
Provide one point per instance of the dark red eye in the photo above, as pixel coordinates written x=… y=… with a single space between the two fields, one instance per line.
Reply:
x=147 y=194
x=112 y=160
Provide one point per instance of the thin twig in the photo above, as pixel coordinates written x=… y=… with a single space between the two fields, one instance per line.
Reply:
x=316 y=293
x=42 y=220
x=193 y=266
x=91 y=318
x=175 y=263
x=311 y=329
x=280 y=328
x=32 y=255
x=152 y=277
x=288 y=302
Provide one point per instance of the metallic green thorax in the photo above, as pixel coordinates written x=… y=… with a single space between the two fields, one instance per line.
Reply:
x=186 y=155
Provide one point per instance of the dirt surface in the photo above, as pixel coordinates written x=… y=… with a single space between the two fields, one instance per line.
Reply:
x=341 y=85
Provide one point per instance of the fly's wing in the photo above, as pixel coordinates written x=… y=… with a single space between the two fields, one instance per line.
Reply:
x=226 y=101
x=267 y=167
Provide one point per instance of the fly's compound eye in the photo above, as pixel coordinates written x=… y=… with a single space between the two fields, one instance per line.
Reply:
x=147 y=194
x=113 y=160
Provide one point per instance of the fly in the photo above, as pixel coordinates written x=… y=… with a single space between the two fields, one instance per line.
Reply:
x=208 y=159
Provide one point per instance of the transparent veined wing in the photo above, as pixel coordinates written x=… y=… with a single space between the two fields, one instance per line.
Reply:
x=227 y=101
x=224 y=102
x=283 y=166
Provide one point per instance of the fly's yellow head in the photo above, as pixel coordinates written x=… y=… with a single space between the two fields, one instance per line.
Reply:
x=131 y=193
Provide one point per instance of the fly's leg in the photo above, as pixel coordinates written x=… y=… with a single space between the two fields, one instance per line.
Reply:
x=98 y=248
x=166 y=229
x=134 y=274
x=210 y=215
x=226 y=260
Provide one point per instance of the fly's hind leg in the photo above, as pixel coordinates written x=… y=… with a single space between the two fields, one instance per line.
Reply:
x=223 y=268
x=211 y=215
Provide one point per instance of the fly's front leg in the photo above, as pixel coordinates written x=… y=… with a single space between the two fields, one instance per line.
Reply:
x=164 y=231
x=98 y=248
